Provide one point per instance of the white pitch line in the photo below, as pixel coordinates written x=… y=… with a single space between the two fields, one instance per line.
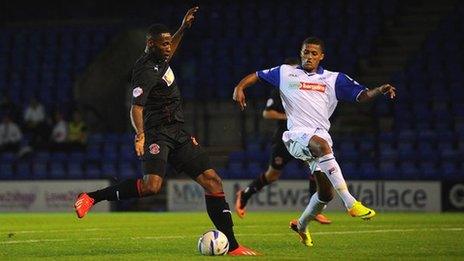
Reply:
x=257 y=234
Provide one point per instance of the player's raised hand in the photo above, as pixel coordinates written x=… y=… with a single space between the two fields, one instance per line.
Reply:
x=189 y=17
x=139 y=142
x=388 y=90
x=239 y=97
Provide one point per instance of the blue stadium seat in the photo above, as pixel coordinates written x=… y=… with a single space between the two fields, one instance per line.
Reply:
x=388 y=170
x=75 y=170
x=253 y=170
x=409 y=170
x=235 y=170
x=6 y=170
x=93 y=171
x=23 y=169
x=39 y=170
x=126 y=170
x=57 y=170
x=368 y=170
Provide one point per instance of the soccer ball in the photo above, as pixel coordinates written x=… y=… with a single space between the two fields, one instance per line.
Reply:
x=213 y=243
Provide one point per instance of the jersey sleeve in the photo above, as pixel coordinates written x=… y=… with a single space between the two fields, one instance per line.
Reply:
x=347 y=89
x=274 y=102
x=271 y=76
x=142 y=83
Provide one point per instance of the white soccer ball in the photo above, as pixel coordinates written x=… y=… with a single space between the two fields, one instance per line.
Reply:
x=213 y=243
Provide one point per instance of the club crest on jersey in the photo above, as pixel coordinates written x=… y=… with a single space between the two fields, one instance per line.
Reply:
x=332 y=170
x=310 y=86
x=269 y=102
x=136 y=92
x=154 y=148
x=168 y=76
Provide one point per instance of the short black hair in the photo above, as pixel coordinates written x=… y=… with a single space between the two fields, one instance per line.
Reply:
x=291 y=61
x=314 y=40
x=156 y=29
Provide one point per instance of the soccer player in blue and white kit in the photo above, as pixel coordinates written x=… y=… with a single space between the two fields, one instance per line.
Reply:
x=309 y=95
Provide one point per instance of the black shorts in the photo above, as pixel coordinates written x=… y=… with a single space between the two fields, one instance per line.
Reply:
x=172 y=144
x=279 y=155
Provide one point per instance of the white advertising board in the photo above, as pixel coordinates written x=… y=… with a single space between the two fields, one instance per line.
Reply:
x=185 y=195
x=47 y=196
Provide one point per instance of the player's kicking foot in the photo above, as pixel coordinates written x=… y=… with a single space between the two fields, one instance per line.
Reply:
x=304 y=235
x=322 y=219
x=243 y=251
x=239 y=206
x=83 y=204
x=359 y=210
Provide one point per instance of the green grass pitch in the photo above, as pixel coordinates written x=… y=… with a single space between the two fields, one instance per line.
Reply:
x=173 y=236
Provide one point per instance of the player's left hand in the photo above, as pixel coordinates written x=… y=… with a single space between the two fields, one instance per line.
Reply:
x=388 y=90
x=189 y=17
x=239 y=97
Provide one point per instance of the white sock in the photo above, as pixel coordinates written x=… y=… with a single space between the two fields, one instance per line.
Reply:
x=314 y=207
x=332 y=170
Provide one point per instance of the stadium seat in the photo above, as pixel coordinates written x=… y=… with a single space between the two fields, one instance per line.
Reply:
x=75 y=170
x=57 y=170
x=6 y=170
x=39 y=170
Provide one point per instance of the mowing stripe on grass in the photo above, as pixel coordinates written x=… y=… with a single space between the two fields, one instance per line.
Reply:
x=30 y=241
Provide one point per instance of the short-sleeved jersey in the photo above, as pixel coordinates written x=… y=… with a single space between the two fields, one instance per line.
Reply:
x=274 y=102
x=155 y=89
x=309 y=99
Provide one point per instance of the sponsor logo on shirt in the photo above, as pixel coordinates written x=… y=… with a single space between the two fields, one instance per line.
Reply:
x=154 y=148
x=310 y=86
x=269 y=102
x=168 y=76
x=136 y=92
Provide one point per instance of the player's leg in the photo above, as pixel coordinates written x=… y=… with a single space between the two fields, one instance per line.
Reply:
x=317 y=203
x=193 y=160
x=154 y=167
x=321 y=149
x=279 y=158
x=322 y=219
x=127 y=189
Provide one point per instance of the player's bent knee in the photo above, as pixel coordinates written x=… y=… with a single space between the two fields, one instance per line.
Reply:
x=210 y=181
x=151 y=185
x=319 y=147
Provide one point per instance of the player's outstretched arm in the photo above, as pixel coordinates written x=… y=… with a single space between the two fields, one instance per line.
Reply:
x=369 y=95
x=186 y=23
x=239 y=94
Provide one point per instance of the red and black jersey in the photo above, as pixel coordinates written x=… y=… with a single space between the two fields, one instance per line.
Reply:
x=154 y=88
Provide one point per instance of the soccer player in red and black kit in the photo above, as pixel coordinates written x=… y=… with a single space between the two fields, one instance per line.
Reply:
x=279 y=155
x=157 y=118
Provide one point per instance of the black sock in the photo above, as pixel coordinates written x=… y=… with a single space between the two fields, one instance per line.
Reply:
x=124 y=190
x=219 y=212
x=255 y=186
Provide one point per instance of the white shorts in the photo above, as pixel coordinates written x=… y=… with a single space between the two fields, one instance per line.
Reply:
x=297 y=144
